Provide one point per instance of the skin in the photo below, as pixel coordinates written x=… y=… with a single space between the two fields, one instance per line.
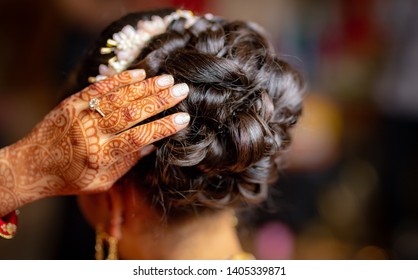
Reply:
x=124 y=213
x=74 y=150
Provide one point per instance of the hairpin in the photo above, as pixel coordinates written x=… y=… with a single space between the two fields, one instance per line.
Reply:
x=128 y=43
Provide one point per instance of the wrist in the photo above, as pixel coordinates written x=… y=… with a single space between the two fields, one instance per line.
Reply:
x=21 y=177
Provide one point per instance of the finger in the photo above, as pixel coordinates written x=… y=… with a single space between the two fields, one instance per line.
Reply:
x=122 y=96
x=121 y=166
x=124 y=164
x=147 y=150
x=104 y=180
x=140 y=136
x=142 y=109
x=100 y=88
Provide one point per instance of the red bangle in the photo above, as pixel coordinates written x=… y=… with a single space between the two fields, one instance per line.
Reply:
x=8 y=225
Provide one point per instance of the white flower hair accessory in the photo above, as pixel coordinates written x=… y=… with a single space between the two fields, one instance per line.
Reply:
x=128 y=43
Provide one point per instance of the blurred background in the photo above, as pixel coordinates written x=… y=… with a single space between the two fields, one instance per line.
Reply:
x=349 y=190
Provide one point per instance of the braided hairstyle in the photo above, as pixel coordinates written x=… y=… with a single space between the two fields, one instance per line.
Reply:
x=242 y=102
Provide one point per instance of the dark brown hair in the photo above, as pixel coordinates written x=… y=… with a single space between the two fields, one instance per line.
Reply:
x=242 y=102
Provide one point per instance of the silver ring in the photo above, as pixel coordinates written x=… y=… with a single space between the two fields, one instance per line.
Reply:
x=94 y=105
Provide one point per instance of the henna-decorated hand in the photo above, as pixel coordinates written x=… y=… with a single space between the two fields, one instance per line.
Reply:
x=75 y=150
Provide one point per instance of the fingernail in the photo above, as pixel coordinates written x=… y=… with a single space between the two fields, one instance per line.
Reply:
x=147 y=150
x=180 y=90
x=165 y=80
x=182 y=118
x=137 y=73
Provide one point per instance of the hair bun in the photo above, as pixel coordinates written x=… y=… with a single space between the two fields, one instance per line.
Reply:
x=242 y=101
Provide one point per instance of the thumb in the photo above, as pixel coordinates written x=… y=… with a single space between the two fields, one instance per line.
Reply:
x=124 y=164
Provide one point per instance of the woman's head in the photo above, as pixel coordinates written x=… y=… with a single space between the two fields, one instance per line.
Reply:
x=242 y=101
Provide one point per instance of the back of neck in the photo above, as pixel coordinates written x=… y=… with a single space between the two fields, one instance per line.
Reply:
x=211 y=236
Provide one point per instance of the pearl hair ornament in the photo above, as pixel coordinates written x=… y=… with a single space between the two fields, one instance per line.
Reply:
x=128 y=43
